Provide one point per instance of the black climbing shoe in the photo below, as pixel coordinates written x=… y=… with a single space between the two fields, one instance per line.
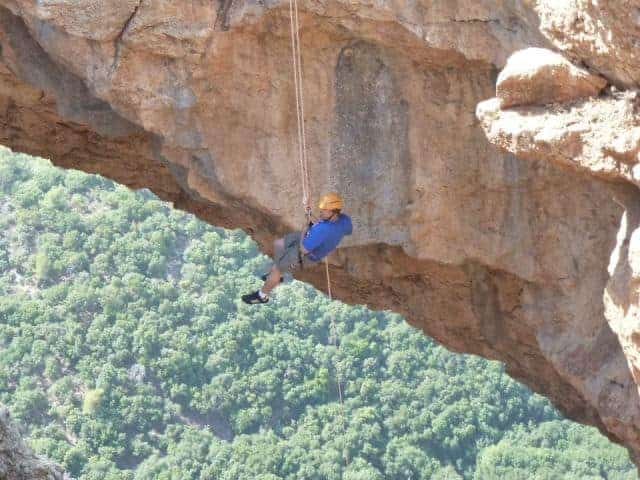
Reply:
x=264 y=278
x=253 y=298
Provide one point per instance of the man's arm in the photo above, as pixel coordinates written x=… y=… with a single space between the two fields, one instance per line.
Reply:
x=315 y=237
x=304 y=234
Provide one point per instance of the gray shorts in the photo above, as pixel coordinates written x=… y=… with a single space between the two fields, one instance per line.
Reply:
x=289 y=258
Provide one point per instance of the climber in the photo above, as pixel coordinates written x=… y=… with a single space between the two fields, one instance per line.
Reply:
x=300 y=249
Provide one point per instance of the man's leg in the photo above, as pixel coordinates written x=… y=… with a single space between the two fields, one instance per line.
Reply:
x=278 y=247
x=262 y=295
x=273 y=279
x=278 y=251
x=285 y=254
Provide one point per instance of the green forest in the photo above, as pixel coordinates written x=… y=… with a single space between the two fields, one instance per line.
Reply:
x=127 y=354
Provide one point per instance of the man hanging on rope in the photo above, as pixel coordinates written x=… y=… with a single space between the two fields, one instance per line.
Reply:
x=300 y=249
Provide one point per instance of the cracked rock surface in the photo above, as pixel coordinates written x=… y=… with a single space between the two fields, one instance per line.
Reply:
x=17 y=462
x=502 y=252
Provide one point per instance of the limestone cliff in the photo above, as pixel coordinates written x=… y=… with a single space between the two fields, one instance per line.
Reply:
x=502 y=255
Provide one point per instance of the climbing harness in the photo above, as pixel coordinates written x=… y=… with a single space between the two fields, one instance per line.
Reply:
x=304 y=170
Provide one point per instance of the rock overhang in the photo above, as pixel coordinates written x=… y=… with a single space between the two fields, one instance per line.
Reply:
x=488 y=253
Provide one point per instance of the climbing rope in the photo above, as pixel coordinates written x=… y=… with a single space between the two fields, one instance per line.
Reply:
x=297 y=80
x=304 y=170
x=333 y=336
x=332 y=326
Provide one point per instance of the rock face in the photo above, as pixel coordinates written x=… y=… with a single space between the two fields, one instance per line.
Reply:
x=602 y=34
x=593 y=138
x=502 y=253
x=17 y=462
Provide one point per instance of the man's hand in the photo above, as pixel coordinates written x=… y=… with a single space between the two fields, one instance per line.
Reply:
x=305 y=230
x=302 y=237
x=309 y=212
x=311 y=223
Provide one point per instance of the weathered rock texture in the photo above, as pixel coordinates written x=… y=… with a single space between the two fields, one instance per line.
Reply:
x=17 y=462
x=601 y=34
x=599 y=136
x=487 y=252
x=537 y=76
x=595 y=138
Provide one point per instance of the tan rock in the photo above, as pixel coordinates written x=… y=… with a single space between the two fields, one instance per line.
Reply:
x=622 y=295
x=100 y=20
x=595 y=138
x=537 y=76
x=603 y=35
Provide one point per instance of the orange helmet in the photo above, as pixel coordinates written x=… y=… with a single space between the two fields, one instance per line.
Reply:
x=330 y=201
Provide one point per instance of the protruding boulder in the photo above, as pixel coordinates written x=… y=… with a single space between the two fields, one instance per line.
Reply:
x=537 y=76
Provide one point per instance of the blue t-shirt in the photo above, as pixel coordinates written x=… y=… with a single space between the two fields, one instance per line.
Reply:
x=323 y=237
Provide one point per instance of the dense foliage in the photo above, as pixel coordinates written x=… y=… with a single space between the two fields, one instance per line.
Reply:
x=127 y=355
